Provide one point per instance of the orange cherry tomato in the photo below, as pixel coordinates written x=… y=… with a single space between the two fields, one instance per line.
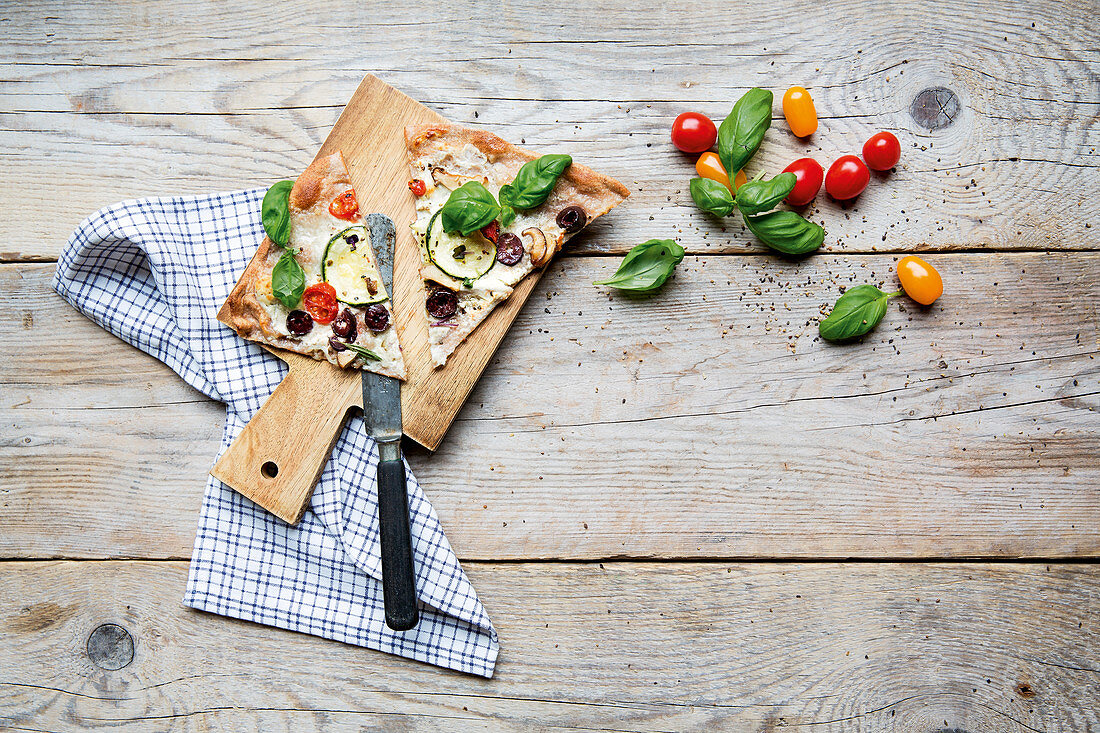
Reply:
x=710 y=166
x=344 y=206
x=920 y=280
x=320 y=300
x=739 y=180
x=798 y=108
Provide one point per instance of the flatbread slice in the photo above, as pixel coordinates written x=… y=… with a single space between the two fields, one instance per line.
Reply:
x=345 y=321
x=466 y=277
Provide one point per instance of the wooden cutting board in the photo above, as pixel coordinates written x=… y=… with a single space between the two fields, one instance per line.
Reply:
x=276 y=463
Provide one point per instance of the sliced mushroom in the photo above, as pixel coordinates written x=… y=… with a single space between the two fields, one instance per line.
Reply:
x=538 y=249
x=345 y=358
x=453 y=180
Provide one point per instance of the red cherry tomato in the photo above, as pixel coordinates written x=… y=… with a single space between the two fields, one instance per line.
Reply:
x=847 y=178
x=693 y=132
x=320 y=301
x=344 y=206
x=882 y=151
x=808 y=175
x=418 y=187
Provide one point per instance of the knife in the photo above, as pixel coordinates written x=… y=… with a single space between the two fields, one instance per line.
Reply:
x=382 y=415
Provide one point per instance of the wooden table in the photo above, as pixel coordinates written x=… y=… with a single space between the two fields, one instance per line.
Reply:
x=683 y=512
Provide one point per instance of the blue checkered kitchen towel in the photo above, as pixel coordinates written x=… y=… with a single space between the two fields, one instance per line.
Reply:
x=154 y=272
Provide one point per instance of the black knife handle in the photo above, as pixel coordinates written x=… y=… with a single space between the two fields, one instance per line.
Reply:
x=398 y=578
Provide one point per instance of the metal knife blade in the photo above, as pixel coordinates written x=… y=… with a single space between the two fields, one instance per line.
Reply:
x=382 y=394
x=382 y=415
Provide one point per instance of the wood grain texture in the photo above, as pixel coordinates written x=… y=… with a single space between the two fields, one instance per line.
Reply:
x=968 y=429
x=721 y=427
x=624 y=647
x=103 y=101
x=273 y=461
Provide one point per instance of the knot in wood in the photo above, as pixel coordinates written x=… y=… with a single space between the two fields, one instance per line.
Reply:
x=935 y=108
x=110 y=647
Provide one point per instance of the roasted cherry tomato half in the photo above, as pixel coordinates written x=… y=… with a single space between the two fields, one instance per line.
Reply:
x=344 y=206
x=709 y=166
x=847 y=178
x=693 y=132
x=798 y=108
x=491 y=231
x=808 y=175
x=920 y=280
x=320 y=301
x=418 y=187
x=882 y=151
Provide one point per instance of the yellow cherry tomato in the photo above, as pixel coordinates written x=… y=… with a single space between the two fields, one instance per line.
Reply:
x=710 y=166
x=920 y=280
x=798 y=108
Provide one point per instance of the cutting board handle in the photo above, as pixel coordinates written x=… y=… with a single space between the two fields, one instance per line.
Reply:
x=278 y=457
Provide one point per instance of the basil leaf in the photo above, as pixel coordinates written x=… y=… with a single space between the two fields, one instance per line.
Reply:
x=469 y=207
x=534 y=181
x=756 y=197
x=855 y=313
x=363 y=352
x=741 y=132
x=786 y=232
x=507 y=215
x=288 y=280
x=275 y=212
x=647 y=266
x=711 y=196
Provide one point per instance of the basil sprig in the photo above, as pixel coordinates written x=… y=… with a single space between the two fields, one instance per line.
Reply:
x=363 y=352
x=532 y=185
x=786 y=232
x=647 y=266
x=288 y=280
x=275 y=212
x=469 y=207
x=739 y=137
x=711 y=196
x=856 y=312
x=758 y=196
x=741 y=132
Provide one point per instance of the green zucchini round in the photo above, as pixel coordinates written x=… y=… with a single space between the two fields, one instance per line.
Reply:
x=349 y=265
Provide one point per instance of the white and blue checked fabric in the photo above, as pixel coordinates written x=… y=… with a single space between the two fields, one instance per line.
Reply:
x=154 y=272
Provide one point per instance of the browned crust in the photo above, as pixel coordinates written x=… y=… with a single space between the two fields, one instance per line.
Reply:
x=580 y=180
x=242 y=311
x=324 y=179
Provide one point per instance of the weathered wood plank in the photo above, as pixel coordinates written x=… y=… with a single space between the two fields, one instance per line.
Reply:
x=107 y=101
x=707 y=421
x=616 y=646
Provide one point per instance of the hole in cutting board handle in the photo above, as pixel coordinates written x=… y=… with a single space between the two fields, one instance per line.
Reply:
x=270 y=469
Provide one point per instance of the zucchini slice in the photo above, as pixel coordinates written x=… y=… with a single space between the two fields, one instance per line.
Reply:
x=463 y=258
x=349 y=267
